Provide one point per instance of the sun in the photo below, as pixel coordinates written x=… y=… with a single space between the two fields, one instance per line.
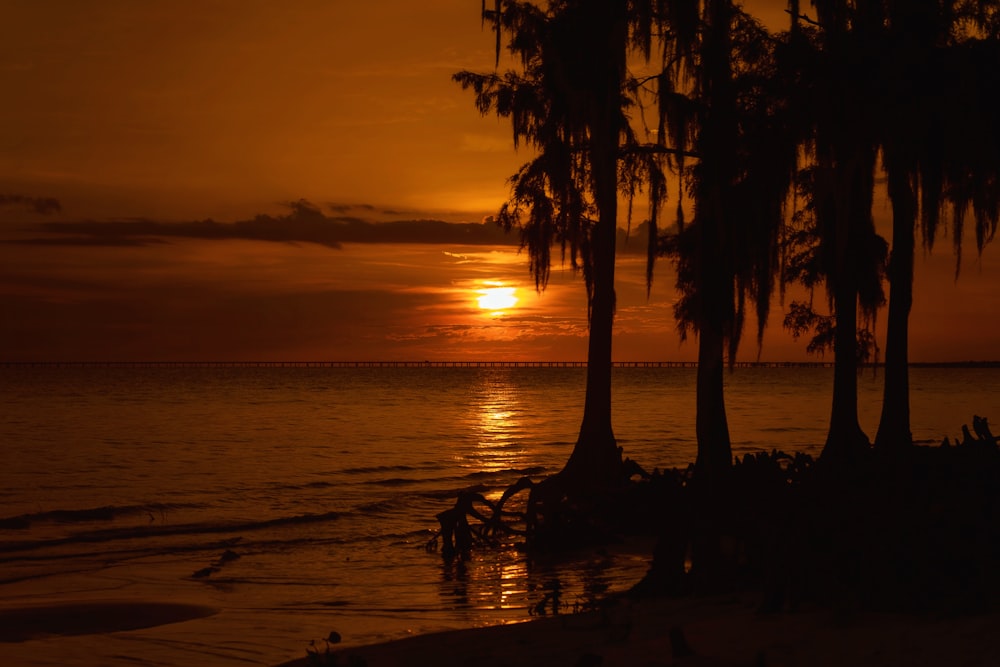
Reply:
x=496 y=298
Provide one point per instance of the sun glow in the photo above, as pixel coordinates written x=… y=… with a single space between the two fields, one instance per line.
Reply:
x=496 y=299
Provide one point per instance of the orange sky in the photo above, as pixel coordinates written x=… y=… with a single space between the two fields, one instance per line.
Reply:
x=180 y=110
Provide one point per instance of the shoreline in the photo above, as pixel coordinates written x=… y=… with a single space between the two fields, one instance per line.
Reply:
x=722 y=631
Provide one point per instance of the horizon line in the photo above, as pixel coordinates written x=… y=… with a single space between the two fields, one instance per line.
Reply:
x=481 y=363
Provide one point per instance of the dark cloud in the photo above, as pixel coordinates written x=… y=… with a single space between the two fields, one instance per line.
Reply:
x=83 y=241
x=305 y=223
x=40 y=205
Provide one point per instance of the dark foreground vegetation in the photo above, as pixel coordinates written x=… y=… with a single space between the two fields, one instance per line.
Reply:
x=915 y=531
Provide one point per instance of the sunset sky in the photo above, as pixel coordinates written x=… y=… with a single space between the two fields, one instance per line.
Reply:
x=142 y=118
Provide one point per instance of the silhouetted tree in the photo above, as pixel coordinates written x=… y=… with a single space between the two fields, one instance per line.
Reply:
x=940 y=146
x=882 y=75
x=746 y=156
x=834 y=58
x=568 y=103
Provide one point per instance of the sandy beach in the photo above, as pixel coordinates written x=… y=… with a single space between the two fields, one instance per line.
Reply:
x=724 y=631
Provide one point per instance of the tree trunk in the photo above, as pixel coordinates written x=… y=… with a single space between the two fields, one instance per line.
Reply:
x=845 y=440
x=717 y=140
x=894 y=425
x=714 y=448
x=595 y=462
x=596 y=459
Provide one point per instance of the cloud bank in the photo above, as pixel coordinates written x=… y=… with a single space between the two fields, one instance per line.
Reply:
x=304 y=223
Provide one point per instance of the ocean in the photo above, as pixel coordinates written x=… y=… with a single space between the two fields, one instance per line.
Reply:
x=298 y=500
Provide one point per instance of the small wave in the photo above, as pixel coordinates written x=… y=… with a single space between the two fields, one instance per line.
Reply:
x=789 y=429
x=154 y=531
x=367 y=470
x=395 y=481
x=320 y=484
x=379 y=507
x=523 y=472
x=92 y=514
x=451 y=493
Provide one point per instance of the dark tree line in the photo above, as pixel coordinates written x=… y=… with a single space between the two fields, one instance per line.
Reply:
x=777 y=141
x=751 y=123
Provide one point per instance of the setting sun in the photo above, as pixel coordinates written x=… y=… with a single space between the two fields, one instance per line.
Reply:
x=496 y=298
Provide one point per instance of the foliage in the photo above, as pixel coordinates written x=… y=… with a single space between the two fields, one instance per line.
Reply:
x=753 y=162
x=801 y=319
x=572 y=82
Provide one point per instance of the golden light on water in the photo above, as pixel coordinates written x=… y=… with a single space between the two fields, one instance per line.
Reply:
x=498 y=448
x=497 y=425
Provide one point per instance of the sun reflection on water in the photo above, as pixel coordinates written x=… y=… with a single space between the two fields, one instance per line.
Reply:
x=498 y=424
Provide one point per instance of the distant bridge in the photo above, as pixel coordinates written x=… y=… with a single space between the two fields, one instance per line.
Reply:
x=454 y=364
x=399 y=364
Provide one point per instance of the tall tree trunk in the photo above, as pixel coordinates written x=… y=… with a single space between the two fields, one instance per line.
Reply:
x=716 y=174
x=894 y=425
x=596 y=459
x=711 y=426
x=845 y=439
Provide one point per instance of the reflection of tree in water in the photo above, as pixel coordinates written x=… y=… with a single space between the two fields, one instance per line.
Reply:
x=577 y=587
x=508 y=579
x=455 y=575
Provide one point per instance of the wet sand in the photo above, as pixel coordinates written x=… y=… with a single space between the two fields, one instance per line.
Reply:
x=718 y=631
x=84 y=618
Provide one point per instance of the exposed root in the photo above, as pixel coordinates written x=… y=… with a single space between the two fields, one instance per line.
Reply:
x=458 y=535
x=916 y=531
x=555 y=514
x=983 y=437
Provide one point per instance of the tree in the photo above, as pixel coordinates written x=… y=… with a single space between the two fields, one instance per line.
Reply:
x=886 y=76
x=746 y=155
x=834 y=58
x=569 y=104
x=935 y=151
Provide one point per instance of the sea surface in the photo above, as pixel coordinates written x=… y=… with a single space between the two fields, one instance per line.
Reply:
x=297 y=501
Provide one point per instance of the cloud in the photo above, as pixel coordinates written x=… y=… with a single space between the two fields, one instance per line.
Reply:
x=83 y=241
x=40 y=205
x=305 y=223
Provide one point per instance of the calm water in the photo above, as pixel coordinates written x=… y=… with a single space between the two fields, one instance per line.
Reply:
x=121 y=484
